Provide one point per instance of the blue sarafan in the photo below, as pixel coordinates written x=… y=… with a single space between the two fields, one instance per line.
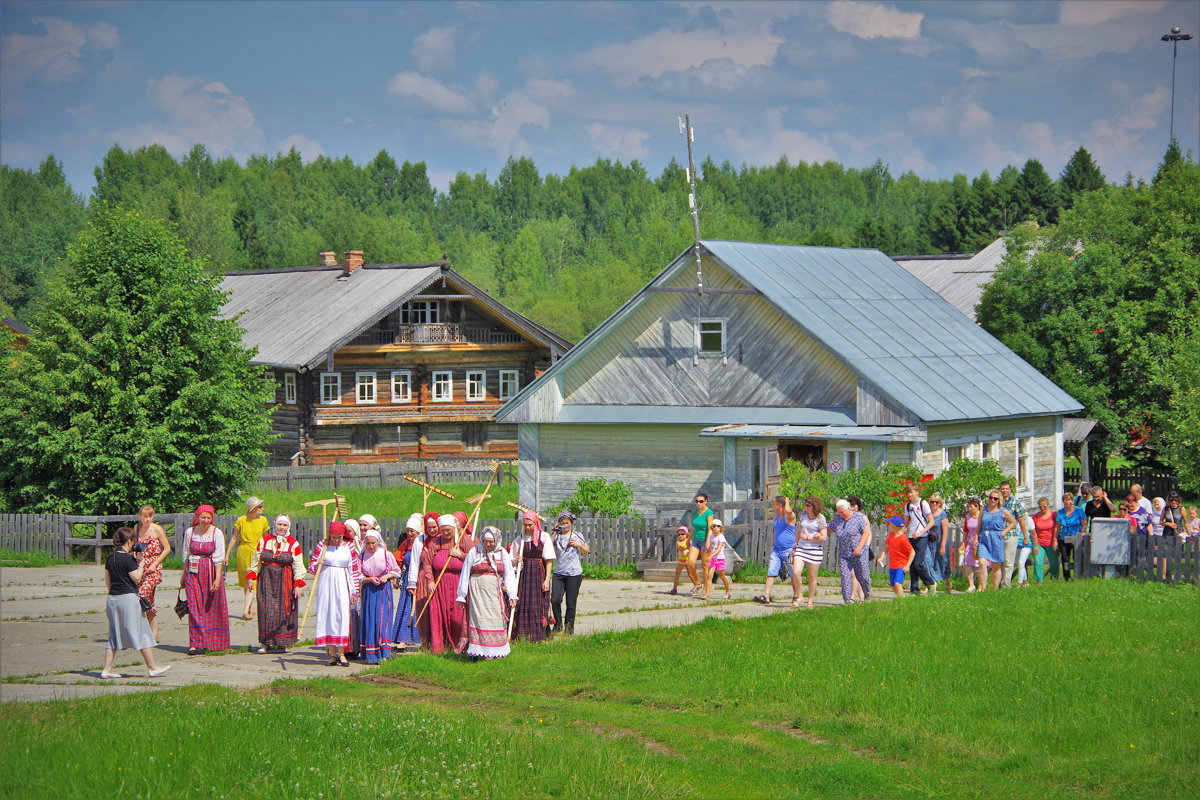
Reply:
x=831 y=356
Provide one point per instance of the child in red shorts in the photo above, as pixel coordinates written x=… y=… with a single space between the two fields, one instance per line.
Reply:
x=900 y=554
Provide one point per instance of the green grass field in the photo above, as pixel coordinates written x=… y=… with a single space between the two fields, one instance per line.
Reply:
x=398 y=501
x=1082 y=689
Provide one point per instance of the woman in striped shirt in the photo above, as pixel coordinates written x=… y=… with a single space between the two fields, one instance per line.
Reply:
x=809 y=550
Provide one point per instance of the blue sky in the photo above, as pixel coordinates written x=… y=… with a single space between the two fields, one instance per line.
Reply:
x=935 y=87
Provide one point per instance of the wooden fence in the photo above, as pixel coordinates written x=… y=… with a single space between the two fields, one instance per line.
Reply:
x=1147 y=557
x=379 y=476
x=1155 y=483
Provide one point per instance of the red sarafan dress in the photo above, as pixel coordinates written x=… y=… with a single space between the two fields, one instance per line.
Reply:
x=208 y=611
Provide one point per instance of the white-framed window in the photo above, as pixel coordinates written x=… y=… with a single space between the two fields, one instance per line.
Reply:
x=476 y=386
x=850 y=459
x=331 y=388
x=289 y=388
x=402 y=386
x=510 y=383
x=991 y=450
x=443 y=387
x=710 y=337
x=364 y=383
x=272 y=386
x=419 y=312
x=951 y=453
x=1024 y=462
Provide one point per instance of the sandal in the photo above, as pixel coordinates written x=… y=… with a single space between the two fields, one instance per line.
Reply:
x=762 y=599
x=343 y=663
x=262 y=651
x=796 y=602
x=673 y=591
x=728 y=596
x=333 y=662
x=810 y=603
x=193 y=651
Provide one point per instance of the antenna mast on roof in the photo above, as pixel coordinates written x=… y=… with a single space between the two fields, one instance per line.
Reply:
x=685 y=130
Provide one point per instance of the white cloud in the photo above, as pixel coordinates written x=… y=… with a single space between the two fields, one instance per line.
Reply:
x=971 y=73
x=994 y=43
x=672 y=51
x=769 y=140
x=432 y=92
x=82 y=113
x=306 y=147
x=517 y=109
x=1094 y=12
x=18 y=153
x=55 y=56
x=974 y=119
x=873 y=20
x=619 y=142
x=207 y=114
x=434 y=49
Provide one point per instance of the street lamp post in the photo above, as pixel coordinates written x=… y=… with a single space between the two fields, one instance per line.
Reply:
x=1174 y=37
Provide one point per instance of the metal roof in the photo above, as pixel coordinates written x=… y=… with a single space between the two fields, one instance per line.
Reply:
x=702 y=415
x=1082 y=429
x=298 y=317
x=862 y=433
x=959 y=279
x=893 y=330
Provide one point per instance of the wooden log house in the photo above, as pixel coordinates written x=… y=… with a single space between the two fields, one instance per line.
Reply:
x=382 y=362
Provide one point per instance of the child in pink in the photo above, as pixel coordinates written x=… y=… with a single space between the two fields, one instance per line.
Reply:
x=715 y=550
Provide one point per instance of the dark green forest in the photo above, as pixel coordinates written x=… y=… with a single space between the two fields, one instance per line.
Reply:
x=565 y=250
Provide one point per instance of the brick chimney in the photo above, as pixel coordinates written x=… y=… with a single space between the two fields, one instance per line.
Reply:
x=354 y=260
x=327 y=258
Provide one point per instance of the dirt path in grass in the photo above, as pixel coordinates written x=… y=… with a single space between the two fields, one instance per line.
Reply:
x=53 y=629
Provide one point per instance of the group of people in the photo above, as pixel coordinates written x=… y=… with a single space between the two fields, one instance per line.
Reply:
x=444 y=588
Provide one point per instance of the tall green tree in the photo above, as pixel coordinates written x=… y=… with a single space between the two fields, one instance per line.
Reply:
x=132 y=389
x=1038 y=195
x=1080 y=175
x=1099 y=302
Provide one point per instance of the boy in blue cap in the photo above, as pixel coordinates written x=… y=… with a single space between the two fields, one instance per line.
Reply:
x=900 y=554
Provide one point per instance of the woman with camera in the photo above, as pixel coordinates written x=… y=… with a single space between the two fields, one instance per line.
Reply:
x=127 y=628
x=568 y=570
x=204 y=580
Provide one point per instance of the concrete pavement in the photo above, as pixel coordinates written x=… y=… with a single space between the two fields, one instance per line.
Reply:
x=53 y=630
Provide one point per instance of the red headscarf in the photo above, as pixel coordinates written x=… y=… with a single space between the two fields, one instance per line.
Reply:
x=464 y=522
x=202 y=509
x=537 y=526
x=338 y=528
x=436 y=528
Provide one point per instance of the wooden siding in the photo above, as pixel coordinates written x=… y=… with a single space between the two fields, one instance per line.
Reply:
x=529 y=478
x=1047 y=482
x=541 y=406
x=285 y=425
x=875 y=408
x=648 y=358
x=333 y=443
x=663 y=463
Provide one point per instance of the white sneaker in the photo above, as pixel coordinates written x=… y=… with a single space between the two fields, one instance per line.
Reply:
x=106 y=674
x=154 y=673
x=970 y=589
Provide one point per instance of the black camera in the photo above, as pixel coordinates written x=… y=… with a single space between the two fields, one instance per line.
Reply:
x=138 y=547
x=559 y=528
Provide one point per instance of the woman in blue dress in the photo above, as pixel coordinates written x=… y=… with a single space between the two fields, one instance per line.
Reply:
x=408 y=556
x=993 y=527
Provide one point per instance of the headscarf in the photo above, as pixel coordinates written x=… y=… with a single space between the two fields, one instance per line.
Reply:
x=337 y=528
x=447 y=520
x=537 y=526
x=369 y=522
x=286 y=519
x=416 y=522
x=352 y=529
x=375 y=564
x=567 y=515
x=200 y=510
x=425 y=523
x=491 y=531
x=464 y=522
x=376 y=535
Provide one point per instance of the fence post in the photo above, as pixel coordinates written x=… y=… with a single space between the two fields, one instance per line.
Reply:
x=382 y=477
x=337 y=476
x=291 y=479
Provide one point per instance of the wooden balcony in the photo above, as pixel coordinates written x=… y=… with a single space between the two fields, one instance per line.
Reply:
x=404 y=413
x=440 y=333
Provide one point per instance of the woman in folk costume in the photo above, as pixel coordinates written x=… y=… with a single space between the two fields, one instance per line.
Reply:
x=204 y=581
x=446 y=617
x=276 y=576
x=408 y=558
x=423 y=586
x=375 y=626
x=532 y=552
x=356 y=538
x=337 y=588
x=487 y=589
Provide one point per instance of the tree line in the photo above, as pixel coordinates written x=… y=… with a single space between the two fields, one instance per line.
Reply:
x=565 y=250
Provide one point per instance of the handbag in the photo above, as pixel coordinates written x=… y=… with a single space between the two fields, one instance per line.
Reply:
x=181 y=606
x=145 y=604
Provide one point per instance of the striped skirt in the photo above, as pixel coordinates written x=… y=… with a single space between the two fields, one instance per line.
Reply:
x=487 y=618
x=375 y=622
x=809 y=552
x=277 y=626
x=533 y=605
x=404 y=629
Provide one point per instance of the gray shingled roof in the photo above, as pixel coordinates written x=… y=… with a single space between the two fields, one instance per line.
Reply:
x=895 y=331
x=298 y=317
x=959 y=279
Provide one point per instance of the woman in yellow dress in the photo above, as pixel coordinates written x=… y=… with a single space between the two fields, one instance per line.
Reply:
x=248 y=529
